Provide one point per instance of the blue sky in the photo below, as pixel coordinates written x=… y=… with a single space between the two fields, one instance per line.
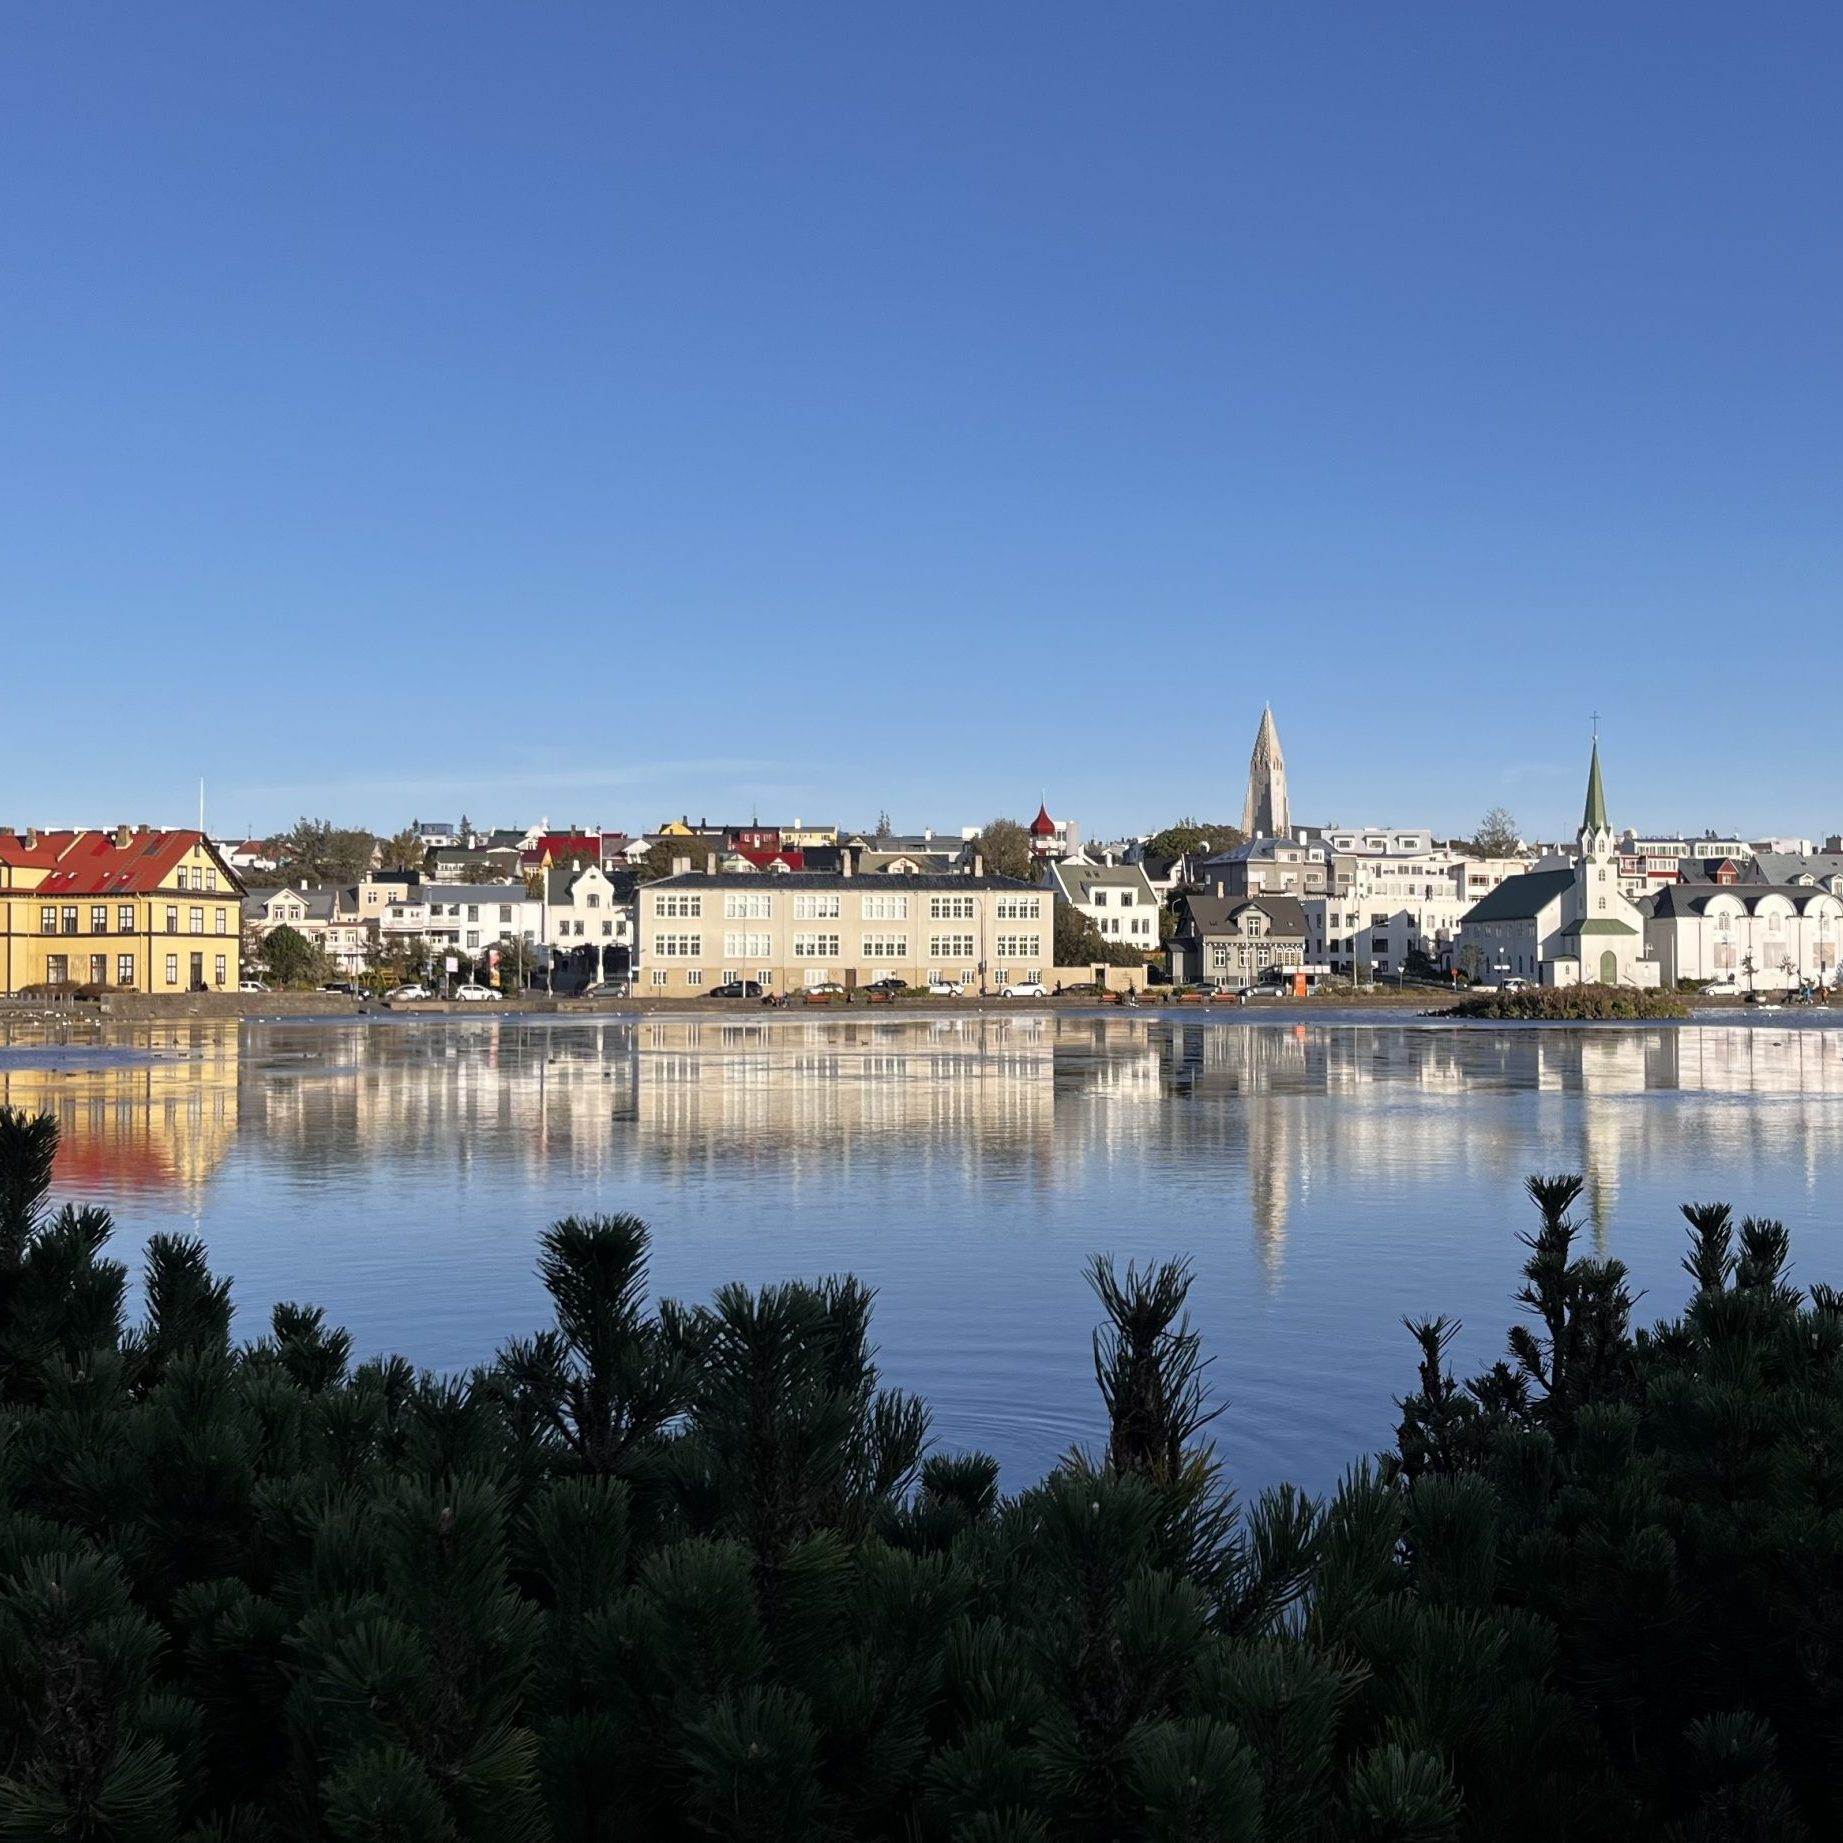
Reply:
x=609 y=411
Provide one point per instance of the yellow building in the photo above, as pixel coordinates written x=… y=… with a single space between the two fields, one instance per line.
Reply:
x=134 y=910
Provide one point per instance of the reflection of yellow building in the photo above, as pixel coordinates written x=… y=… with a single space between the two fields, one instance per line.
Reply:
x=158 y=1118
x=147 y=911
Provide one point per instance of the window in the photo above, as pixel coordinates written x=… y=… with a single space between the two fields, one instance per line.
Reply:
x=950 y=908
x=220 y=969
x=48 y=920
x=679 y=946
x=740 y=946
x=70 y=919
x=1018 y=946
x=223 y=922
x=211 y=883
x=594 y=902
x=57 y=968
x=473 y=937
x=1018 y=908
x=694 y=975
x=950 y=946
x=473 y=911
x=197 y=918
x=749 y=905
x=124 y=969
x=124 y=918
x=1378 y=921
x=172 y=969
x=172 y=920
x=885 y=947
x=764 y=976
x=1099 y=898
x=607 y=927
x=815 y=946
x=660 y=975
x=1126 y=899
x=99 y=918
x=505 y=910
x=886 y=908
x=678 y=908
x=812 y=905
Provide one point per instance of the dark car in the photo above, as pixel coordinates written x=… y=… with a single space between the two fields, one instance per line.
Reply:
x=887 y=985
x=736 y=988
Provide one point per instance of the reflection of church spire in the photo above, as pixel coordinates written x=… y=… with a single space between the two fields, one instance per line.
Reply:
x=1271 y=1159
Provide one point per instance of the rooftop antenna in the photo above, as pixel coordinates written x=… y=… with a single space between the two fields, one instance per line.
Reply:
x=201 y=806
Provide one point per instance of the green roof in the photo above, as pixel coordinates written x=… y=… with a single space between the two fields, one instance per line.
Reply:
x=1594 y=818
x=1597 y=925
x=1520 y=898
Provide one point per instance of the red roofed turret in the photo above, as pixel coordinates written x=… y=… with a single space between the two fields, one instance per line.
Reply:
x=1043 y=826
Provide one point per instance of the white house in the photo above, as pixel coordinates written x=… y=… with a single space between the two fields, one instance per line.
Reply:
x=1572 y=926
x=583 y=911
x=1393 y=895
x=329 y=918
x=1759 y=936
x=1117 y=898
x=466 y=916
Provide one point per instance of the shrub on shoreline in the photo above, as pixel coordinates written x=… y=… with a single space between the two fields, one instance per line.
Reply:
x=693 y=1573
x=1576 y=1002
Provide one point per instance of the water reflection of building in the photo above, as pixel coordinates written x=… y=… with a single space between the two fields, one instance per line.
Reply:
x=1229 y=1124
x=159 y=1116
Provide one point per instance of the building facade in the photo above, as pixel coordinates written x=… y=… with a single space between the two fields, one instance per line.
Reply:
x=1754 y=936
x=1117 y=898
x=468 y=917
x=1265 y=811
x=1573 y=926
x=698 y=929
x=1234 y=941
x=131 y=909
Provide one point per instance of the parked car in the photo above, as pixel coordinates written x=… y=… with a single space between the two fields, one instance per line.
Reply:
x=887 y=985
x=475 y=994
x=1028 y=988
x=945 y=988
x=820 y=993
x=1727 y=987
x=606 y=988
x=405 y=994
x=736 y=988
x=344 y=986
x=1507 y=985
x=251 y=985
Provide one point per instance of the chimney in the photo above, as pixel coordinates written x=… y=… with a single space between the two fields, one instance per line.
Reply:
x=122 y=836
x=710 y=863
x=31 y=837
x=844 y=862
x=1220 y=891
x=978 y=865
x=681 y=867
x=928 y=835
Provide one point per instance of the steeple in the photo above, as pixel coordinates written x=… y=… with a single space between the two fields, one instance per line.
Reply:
x=1264 y=811
x=1594 y=818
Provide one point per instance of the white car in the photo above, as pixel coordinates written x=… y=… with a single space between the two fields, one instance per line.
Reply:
x=1729 y=987
x=251 y=985
x=405 y=994
x=475 y=993
x=945 y=988
x=1029 y=988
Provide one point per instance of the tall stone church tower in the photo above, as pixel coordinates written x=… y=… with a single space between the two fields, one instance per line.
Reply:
x=1264 y=812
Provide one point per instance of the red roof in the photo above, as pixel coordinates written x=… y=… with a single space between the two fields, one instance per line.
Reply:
x=1043 y=825
x=93 y=864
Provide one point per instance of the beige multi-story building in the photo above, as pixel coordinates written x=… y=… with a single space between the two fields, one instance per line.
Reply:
x=796 y=929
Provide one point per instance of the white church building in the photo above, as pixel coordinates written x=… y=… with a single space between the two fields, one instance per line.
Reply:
x=1563 y=927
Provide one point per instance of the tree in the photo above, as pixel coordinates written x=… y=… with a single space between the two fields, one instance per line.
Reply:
x=657 y=861
x=1005 y=847
x=516 y=961
x=318 y=852
x=403 y=851
x=1497 y=835
x=1192 y=838
x=1079 y=942
x=884 y=830
x=291 y=959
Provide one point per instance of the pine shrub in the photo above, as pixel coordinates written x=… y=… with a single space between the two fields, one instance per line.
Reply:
x=695 y=1573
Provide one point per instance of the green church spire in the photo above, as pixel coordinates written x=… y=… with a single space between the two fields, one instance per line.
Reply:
x=1594 y=819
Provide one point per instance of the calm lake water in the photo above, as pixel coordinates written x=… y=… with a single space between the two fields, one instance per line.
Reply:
x=1325 y=1177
